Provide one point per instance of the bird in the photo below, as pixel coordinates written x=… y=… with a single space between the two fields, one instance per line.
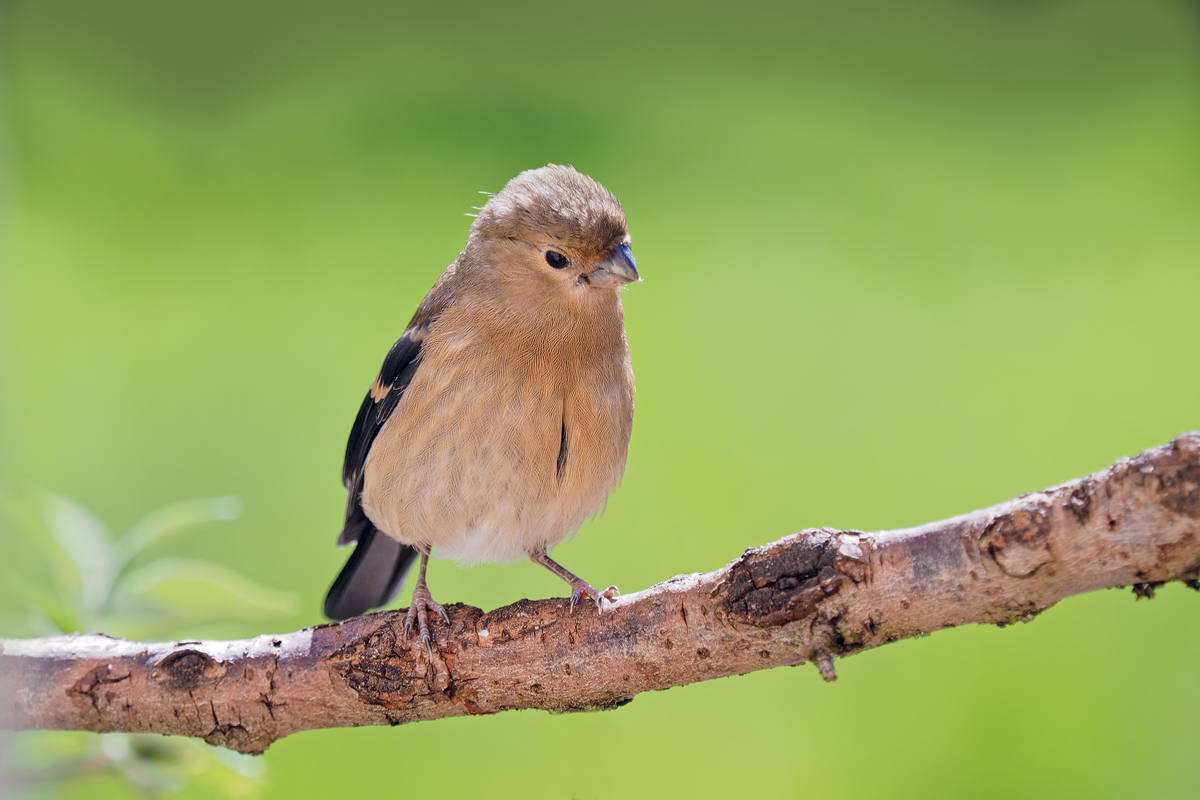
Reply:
x=500 y=420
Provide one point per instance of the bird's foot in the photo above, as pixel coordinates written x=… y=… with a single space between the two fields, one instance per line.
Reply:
x=422 y=604
x=581 y=589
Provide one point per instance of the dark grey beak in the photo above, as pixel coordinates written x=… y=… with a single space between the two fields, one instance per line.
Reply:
x=618 y=269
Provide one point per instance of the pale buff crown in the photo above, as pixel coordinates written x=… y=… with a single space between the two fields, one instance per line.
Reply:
x=559 y=204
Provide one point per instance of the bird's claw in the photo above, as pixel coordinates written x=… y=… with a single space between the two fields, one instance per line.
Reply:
x=418 y=612
x=582 y=589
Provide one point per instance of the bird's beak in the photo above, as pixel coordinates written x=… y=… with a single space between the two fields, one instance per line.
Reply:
x=616 y=270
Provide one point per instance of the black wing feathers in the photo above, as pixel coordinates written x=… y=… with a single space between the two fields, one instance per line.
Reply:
x=373 y=574
x=377 y=407
x=371 y=578
x=395 y=375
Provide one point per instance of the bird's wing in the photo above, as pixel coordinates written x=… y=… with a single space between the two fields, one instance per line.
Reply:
x=384 y=395
x=373 y=575
x=377 y=407
x=381 y=400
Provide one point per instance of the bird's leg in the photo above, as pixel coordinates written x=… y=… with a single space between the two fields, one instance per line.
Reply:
x=422 y=604
x=579 y=587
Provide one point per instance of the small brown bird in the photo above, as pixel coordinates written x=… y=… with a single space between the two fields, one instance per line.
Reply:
x=500 y=420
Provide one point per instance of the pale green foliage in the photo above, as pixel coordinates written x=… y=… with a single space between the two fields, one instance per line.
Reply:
x=104 y=583
x=147 y=765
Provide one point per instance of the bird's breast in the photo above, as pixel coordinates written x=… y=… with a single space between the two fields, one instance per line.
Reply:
x=504 y=443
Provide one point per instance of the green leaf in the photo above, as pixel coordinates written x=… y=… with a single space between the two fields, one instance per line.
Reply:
x=34 y=564
x=193 y=590
x=172 y=519
x=51 y=613
x=87 y=542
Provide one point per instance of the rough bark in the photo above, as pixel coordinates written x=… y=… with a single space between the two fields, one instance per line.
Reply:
x=813 y=596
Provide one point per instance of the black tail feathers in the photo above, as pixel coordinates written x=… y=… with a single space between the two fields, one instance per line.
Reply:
x=372 y=577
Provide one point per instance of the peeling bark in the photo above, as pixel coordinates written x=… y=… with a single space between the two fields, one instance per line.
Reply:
x=810 y=597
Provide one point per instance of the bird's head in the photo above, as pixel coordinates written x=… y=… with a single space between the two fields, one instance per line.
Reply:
x=556 y=231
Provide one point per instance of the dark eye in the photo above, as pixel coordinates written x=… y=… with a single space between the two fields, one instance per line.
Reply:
x=556 y=259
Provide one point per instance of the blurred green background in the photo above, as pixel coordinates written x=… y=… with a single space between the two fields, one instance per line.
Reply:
x=902 y=260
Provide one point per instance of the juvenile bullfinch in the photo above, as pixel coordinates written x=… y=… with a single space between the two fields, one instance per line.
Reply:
x=500 y=420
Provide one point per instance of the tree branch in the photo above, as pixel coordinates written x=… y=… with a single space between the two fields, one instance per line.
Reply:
x=813 y=596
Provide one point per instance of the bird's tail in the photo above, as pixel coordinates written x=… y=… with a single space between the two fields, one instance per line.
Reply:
x=372 y=577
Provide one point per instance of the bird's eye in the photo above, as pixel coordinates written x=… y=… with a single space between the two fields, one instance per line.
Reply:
x=556 y=259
